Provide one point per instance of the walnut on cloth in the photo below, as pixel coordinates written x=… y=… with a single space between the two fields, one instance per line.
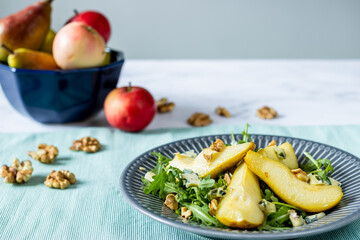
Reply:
x=45 y=153
x=266 y=113
x=18 y=171
x=163 y=106
x=221 y=111
x=199 y=120
x=60 y=179
x=86 y=144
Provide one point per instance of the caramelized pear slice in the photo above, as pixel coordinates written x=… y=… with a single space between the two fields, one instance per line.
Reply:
x=310 y=198
x=239 y=208
x=275 y=153
x=219 y=161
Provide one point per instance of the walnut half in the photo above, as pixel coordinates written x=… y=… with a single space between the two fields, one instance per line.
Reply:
x=60 y=179
x=199 y=120
x=19 y=172
x=222 y=112
x=163 y=106
x=266 y=113
x=45 y=153
x=86 y=144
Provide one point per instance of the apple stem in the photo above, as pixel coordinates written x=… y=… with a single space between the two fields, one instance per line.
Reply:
x=7 y=49
x=129 y=88
x=76 y=12
x=48 y=1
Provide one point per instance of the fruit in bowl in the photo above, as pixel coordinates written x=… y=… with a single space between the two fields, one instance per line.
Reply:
x=96 y=20
x=26 y=28
x=78 y=45
x=31 y=78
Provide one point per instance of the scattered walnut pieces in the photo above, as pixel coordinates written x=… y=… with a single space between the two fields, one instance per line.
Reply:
x=227 y=178
x=266 y=113
x=60 y=179
x=272 y=143
x=199 y=120
x=86 y=144
x=163 y=106
x=45 y=153
x=207 y=153
x=300 y=174
x=222 y=112
x=218 y=145
x=170 y=202
x=19 y=172
x=185 y=213
x=213 y=207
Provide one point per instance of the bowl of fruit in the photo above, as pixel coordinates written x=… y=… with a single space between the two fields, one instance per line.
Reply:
x=57 y=77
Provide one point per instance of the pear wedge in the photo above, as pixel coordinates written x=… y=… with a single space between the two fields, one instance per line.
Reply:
x=239 y=208
x=289 y=158
x=310 y=198
x=220 y=161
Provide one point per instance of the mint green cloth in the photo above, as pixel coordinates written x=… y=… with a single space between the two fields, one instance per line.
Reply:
x=94 y=208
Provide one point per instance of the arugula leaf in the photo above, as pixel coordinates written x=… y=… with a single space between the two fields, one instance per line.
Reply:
x=320 y=167
x=206 y=182
x=202 y=214
x=246 y=136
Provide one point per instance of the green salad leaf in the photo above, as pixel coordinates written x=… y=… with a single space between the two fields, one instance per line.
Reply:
x=319 y=167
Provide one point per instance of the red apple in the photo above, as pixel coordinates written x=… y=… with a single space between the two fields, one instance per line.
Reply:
x=96 y=20
x=78 y=45
x=129 y=108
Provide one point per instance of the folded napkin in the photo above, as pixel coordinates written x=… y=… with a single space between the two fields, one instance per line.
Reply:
x=94 y=208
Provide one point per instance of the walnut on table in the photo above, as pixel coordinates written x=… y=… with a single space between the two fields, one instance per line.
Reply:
x=18 y=171
x=45 y=153
x=60 y=179
x=86 y=144
x=163 y=106
x=266 y=113
x=222 y=112
x=199 y=120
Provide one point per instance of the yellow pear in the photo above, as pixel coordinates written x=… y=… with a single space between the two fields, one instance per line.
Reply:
x=240 y=206
x=310 y=198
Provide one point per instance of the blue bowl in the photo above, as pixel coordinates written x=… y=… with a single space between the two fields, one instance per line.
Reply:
x=60 y=96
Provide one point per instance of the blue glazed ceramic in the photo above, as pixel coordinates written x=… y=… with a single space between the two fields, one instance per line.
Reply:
x=60 y=96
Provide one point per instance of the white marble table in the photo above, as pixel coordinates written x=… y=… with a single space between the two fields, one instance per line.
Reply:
x=304 y=92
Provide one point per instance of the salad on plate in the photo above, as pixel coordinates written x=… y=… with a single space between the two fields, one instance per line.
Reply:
x=237 y=185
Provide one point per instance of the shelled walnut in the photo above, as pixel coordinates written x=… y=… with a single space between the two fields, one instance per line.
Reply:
x=86 y=144
x=19 y=172
x=266 y=113
x=60 y=179
x=218 y=145
x=199 y=120
x=163 y=106
x=45 y=153
x=222 y=112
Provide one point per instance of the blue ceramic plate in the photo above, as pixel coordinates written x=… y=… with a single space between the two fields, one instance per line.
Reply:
x=346 y=170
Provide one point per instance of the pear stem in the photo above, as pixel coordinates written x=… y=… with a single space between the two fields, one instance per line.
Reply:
x=76 y=12
x=49 y=1
x=129 y=88
x=7 y=49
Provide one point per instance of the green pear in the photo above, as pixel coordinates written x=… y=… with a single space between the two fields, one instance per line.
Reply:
x=107 y=59
x=26 y=28
x=48 y=42
x=30 y=59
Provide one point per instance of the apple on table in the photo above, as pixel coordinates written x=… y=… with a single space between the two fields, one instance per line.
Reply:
x=129 y=108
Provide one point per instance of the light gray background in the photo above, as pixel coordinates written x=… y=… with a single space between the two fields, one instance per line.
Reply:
x=226 y=29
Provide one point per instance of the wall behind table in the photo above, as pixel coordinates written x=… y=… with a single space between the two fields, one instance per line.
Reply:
x=169 y=29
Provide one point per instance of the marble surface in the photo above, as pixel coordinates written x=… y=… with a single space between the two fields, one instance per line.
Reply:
x=304 y=92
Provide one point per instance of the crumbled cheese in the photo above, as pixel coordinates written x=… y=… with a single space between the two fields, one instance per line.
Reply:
x=190 y=154
x=149 y=176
